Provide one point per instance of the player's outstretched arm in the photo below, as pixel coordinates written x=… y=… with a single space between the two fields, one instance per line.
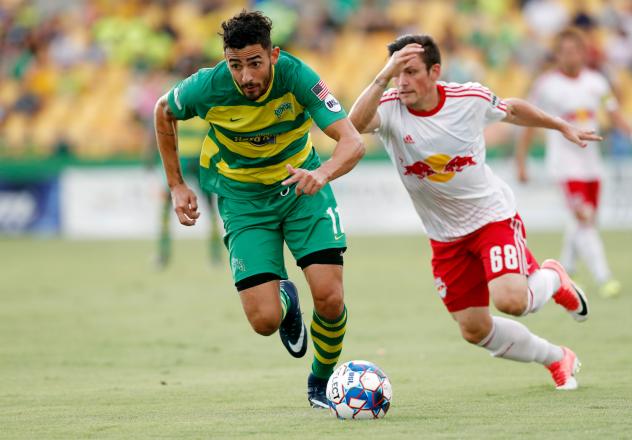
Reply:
x=363 y=113
x=520 y=112
x=166 y=127
x=348 y=152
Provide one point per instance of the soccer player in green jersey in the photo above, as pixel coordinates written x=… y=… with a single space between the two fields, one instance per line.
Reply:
x=258 y=158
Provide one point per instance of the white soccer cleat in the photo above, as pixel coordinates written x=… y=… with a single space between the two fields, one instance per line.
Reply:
x=563 y=371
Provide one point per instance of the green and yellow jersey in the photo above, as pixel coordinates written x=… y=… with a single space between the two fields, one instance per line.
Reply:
x=249 y=142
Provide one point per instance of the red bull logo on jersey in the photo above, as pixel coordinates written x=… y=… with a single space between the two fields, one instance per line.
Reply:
x=438 y=167
x=580 y=115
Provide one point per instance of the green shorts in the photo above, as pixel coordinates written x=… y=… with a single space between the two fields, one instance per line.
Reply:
x=256 y=228
x=190 y=166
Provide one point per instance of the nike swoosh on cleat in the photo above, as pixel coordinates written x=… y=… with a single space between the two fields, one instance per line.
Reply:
x=318 y=404
x=584 y=310
x=299 y=342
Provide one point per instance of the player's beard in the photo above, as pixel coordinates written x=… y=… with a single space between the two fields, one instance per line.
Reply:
x=262 y=88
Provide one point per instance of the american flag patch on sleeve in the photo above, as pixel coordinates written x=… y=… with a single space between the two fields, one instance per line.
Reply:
x=320 y=90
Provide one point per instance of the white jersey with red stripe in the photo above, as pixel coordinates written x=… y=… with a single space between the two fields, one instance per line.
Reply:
x=440 y=156
x=578 y=101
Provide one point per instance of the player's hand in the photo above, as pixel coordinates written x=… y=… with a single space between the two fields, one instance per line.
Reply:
x=185 y=204
x=307 y=182
x=578 y=136
x=398 y=60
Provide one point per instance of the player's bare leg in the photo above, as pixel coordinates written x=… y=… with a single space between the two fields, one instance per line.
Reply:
x=262 y=306
x=509 y=339
x=519 y=295
x=275 y=305
x=329 y=324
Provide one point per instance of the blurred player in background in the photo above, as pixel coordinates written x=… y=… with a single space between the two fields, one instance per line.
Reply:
x=433 y=133
x=259 y=159
x=576 y=94
x=189 y=145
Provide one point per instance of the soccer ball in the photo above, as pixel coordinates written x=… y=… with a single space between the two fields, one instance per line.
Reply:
x=359 y=390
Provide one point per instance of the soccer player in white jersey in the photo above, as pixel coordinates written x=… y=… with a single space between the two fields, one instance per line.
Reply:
x=433 y=133
x=576 y=94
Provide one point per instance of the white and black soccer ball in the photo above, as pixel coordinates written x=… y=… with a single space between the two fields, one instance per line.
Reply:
x=359 y=390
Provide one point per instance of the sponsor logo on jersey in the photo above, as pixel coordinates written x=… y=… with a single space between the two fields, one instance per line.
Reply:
x=320 y=90
x=278 y=112
x=332 y=104
x=258 y=140
x=408 y=139
x=438 y=167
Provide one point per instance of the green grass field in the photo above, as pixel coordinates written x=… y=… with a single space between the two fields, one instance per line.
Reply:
x=95 y=344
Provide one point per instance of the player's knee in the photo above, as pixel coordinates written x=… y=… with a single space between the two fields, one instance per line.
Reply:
x=584 y=214
x=474 y=333
x=512 y=301
x=329 y=304
x=264 y=325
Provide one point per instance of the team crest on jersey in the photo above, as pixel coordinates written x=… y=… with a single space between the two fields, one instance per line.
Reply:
x=442 y=289
x=332 y=104
x=238 y=264
x=278 y=112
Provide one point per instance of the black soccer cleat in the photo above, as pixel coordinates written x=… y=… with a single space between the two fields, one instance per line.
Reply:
x=317 y=392
x=292 y=330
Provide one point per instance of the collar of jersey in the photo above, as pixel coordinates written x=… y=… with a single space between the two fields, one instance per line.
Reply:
x=433 y=111
x=262 y=97
x=576 y=77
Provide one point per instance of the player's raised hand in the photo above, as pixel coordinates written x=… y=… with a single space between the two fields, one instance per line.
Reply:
x=398 y=60
x=185 y=204
x=307 y=182
x=579 y=136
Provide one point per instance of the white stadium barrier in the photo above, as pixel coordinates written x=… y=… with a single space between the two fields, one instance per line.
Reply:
x=125 y=202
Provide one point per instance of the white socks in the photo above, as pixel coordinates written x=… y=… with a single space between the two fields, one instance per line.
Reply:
x=589 y=245
x=568 y=257
x=511 y=340
x=543 y=283
x=584 y=241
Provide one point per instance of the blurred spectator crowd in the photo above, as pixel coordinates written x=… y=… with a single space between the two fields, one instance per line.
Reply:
x=80 y=78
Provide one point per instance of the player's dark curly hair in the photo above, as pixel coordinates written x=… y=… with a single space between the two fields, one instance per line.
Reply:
x=245 y=29
x=431 y=54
